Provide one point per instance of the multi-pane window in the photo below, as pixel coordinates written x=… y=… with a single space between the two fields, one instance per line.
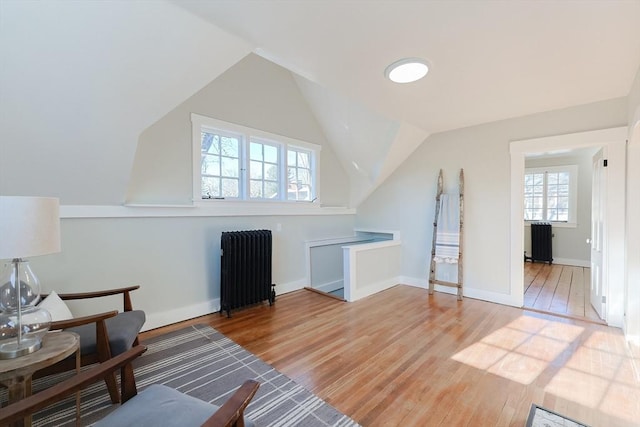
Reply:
x=299 y=174
x=550 y=194
x=240 y=163
x=220 y=164
x=264 y=170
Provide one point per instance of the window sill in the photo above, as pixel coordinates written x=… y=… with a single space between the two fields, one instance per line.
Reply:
x=216 y=208
x=554 y=224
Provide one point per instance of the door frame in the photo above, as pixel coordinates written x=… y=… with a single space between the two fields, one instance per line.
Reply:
x=614 y=258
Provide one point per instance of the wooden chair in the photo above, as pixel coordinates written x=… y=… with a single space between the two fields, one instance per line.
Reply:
x=102 y=336
x=137 y=409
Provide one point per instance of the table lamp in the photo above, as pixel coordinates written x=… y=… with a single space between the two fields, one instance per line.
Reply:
x=29 y=226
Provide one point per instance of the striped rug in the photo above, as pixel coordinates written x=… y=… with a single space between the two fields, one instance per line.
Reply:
x=205 y=364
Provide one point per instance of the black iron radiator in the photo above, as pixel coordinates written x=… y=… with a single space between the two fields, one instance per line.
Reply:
x=541 y=242
x=245 y=273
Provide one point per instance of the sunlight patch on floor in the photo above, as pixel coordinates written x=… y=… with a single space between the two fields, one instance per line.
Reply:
x=595 y=371
x=521 y=350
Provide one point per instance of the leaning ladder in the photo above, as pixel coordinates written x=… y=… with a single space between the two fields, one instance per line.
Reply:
x=432 y=274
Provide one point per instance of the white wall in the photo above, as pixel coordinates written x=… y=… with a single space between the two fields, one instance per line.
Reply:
x=407 y=200
x=569 y=243
x=175 y=260
x=80 y=81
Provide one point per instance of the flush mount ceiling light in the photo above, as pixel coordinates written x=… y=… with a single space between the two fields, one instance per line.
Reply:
x=407 y=70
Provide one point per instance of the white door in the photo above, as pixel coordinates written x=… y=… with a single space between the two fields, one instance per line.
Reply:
x=598 y=205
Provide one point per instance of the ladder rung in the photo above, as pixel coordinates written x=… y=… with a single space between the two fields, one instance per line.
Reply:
x=443 y=283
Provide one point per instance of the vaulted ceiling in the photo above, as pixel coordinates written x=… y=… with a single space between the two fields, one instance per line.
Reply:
x=80 y=81
x=489 y=60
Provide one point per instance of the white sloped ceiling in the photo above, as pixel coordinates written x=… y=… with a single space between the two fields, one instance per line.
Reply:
x=80 y=81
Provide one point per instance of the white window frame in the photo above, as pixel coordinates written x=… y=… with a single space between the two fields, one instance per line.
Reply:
x=202 y=123
x=573 y=193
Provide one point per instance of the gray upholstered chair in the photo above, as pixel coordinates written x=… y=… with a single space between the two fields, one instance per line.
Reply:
x=157 y=405
x=102 y=336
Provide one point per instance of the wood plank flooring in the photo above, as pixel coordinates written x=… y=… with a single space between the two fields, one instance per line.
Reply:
x=402 y=357
x=560 y=289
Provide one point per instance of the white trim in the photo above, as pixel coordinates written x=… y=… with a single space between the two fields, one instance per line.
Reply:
x=201 y=210
x=554 y=224
x=572 y=262
x=284 y=288
x=495 y=297
x=168 y=317
x=331 y=286
x=614 y=140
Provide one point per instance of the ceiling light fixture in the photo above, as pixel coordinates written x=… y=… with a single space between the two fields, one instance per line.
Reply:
x=407 y=70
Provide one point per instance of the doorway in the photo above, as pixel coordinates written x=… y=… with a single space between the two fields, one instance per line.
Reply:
x=560 y=189
x=614 y=228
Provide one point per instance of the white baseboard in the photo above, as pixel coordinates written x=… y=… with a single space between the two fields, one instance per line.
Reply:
x=573 y=262
x=164 y=318
x=498 y=298
x=331 y=286
x=284 y=288
x=168 y=317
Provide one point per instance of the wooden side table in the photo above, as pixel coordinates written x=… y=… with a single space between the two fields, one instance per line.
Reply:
x=15 y=374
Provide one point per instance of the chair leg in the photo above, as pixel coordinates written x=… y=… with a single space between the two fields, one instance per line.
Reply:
x=104 y=354
x=127 y=382
x=112 y=386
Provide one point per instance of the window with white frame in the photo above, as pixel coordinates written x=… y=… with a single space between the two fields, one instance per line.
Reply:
x=240 y=163
x=550 y=194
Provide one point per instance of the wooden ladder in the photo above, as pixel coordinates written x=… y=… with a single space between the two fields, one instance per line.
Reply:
x=432 y=274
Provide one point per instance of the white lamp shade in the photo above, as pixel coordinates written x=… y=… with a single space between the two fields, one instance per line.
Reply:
x=29 y=226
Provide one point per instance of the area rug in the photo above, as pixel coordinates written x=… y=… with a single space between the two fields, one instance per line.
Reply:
x=542 y=417
x=205 y=364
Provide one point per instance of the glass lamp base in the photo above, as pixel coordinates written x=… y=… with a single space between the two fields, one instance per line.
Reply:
x=11 y=350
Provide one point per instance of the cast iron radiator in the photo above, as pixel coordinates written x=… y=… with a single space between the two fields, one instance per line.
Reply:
x=245 y=273
x=541 y=242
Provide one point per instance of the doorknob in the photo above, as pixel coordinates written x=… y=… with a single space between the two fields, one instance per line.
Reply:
x=588 y=241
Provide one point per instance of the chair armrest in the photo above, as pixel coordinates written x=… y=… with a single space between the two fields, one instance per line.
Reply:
x=232 y=411
x=97 y=294
x=78 y=321
x=22 y=408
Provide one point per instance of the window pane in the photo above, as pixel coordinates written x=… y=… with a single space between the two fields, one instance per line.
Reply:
x=210 y=143
x=304 y=177
x=538 y=179
x=563 y=190
x=255 y=151
x=552 y=178
x=563 y=203
x=528 y=179
x=563 y=178
x=270 y=154
x=210 y=165
x=552 y=215
x=291 y=175
x=255 y=169
x=230 y=187
x=563 y=215
x=271 y=190
x=210 y=187
x=291 y=158
x=255 y=189
x=270 y=172
x=303 y=160
x=230 y=167
x=229 y=146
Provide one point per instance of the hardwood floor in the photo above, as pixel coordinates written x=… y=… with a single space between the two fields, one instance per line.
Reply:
x=402 y=357
x=560 y=289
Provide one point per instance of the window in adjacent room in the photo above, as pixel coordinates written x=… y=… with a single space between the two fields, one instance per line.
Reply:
x=550 y=194
x=240 y=163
